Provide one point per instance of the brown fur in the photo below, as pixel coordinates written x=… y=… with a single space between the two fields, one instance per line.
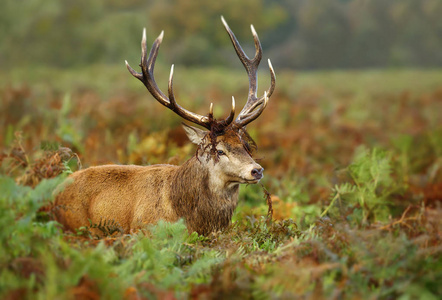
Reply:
x=203 y=192
x=204 y=210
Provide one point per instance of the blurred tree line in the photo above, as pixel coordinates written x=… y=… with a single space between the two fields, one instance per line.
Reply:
x=302 y=34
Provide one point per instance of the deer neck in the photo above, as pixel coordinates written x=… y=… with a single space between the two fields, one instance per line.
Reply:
x=202 y=198
x=194 y=177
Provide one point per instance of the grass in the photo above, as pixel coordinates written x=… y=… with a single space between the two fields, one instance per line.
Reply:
x=353 y=167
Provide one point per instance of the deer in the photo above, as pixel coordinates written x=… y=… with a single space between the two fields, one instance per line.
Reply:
x=203 y=191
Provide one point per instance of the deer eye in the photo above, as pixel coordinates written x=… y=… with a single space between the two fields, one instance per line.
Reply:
x=221 y=152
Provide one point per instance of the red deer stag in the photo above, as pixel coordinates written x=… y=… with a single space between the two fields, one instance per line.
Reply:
x=203 y=191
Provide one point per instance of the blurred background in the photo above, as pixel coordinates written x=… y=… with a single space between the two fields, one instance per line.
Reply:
x=318 y=34
x=350 y=74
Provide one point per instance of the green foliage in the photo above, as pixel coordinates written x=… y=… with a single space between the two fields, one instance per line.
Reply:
x=66 y=129
x=22 y=235
x=167 y=257
x=294 y=192
x=19 y=206
x=70 y=268
x=371 y=187
x=107 y=227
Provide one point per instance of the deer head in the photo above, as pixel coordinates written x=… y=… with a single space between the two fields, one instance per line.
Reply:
x=225 y=146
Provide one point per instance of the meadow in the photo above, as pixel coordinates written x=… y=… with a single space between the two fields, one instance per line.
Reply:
x=349 y=208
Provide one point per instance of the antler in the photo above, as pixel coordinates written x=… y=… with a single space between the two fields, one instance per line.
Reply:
x=147 y=78
x=254 y=105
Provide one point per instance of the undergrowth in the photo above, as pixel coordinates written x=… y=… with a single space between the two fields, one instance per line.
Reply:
x=341 y=220
x=256 y=257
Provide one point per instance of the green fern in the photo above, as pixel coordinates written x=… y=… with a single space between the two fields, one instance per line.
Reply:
x=18 y=213
x=107 y=227
x=368 y=192
x=165 y=255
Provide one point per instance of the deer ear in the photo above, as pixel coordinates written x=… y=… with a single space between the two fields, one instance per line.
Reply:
x=194 y=134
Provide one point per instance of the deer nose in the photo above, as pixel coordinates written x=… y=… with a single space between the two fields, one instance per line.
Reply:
x=257 y=173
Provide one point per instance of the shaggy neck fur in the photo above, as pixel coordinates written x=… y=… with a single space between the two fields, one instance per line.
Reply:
x=206 y=203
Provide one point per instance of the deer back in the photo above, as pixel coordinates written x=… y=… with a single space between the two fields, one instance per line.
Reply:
x=128 y=196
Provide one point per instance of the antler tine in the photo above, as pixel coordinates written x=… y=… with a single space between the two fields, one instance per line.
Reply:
x=229 y=119
x=147 y=66
x=251 y=66
x=147 y=78
x=251 y=116
x=182 y=112
x=269 y=92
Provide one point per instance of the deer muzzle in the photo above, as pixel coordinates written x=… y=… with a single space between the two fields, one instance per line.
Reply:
x=257 y=173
